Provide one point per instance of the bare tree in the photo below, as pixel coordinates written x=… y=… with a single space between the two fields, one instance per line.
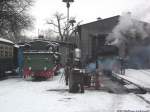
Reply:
x=14 y=18
x=58 y=21
x=48 y=34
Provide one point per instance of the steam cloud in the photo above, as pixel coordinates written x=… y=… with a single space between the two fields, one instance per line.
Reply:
x=128 y=28
x=133 y=33
x=132 y=25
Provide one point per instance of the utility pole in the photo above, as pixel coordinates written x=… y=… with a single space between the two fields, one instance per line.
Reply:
x=68 y=6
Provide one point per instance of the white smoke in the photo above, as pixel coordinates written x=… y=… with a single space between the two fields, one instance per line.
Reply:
x=132 y=29
x=132 y=26
x=128 y=28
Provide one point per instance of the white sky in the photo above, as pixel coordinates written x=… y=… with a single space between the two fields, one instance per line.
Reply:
x=86 y=10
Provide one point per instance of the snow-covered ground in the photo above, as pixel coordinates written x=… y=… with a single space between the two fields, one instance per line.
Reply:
x=19 y=95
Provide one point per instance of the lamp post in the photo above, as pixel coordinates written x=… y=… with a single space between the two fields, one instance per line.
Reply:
x=68 y=6
x=72 y=21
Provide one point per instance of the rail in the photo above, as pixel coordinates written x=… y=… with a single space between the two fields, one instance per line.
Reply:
x=122 y=79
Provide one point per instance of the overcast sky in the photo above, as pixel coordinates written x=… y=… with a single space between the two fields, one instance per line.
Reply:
x=86 y=10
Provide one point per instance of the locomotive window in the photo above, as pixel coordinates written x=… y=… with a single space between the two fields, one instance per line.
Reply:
x=1 y=51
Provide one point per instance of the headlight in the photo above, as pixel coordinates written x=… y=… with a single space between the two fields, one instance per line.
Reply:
x=30 y=68
x=45 y=68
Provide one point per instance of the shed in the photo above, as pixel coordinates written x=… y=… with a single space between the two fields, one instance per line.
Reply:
x=92 y=35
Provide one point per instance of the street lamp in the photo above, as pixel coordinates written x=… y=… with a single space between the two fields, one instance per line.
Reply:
x=72 y=21
x=68 y=6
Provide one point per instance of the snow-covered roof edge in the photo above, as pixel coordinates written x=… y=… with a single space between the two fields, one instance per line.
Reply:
x=5 y=40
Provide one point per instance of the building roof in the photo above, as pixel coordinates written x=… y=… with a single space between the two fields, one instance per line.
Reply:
x=6 y=41
x=103 y=25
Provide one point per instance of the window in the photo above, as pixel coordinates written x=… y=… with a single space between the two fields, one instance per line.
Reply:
x=1 y=50
x=6 y=51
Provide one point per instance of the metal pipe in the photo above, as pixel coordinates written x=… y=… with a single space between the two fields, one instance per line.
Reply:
x=67 y=35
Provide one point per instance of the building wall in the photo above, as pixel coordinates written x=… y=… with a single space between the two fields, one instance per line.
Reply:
x=86 y=43
x=87 y=32
x=99 y=29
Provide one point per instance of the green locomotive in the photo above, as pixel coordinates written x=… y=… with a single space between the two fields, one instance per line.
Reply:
x=41 y=59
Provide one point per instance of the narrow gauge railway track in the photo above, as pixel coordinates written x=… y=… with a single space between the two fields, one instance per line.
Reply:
x=118 y=85
x=112 y=86
x=131 y=87
x=137 y=91
x=143 y=98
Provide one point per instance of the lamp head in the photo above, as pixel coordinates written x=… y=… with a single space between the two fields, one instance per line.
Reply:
x=68 y=1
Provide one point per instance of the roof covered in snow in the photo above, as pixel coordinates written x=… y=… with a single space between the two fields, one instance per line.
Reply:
x=6 y=41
